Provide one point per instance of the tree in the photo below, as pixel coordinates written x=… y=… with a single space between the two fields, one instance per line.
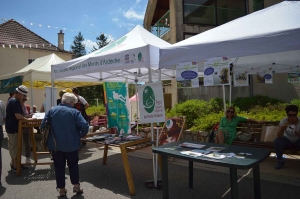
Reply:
x=101 y=42
x=91 y=93
x=78 y=46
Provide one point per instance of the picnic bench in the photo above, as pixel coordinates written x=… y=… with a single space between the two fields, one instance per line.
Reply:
x=256 y=130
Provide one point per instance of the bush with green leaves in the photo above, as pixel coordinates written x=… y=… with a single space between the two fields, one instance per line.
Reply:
x=96 y=110
x=246 y=103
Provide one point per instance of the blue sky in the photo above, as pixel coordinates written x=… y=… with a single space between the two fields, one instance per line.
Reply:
x=114 y=18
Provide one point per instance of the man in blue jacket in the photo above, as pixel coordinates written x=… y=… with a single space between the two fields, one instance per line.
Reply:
x=67 y=127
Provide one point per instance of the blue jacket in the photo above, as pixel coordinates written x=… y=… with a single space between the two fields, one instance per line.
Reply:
x=67 y=127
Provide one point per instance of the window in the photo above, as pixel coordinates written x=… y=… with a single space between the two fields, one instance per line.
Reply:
x=212 y=12
x=258 y=5
x=30 y=61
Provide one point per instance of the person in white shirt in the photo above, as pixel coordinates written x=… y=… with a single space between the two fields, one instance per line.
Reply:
x=288 y=136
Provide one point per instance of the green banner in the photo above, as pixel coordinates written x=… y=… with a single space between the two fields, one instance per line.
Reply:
x=117 y=106
x=10 y=85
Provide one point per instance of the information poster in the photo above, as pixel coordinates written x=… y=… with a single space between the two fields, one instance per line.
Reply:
x=117 y=106
x=216 y=71
x=151 y=103
x=294 y=78
x=266 y=78
x=241 y=79
x=187 y=75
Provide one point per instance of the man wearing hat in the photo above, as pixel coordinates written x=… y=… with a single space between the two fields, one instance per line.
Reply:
x=14 y=113
x=61 y=93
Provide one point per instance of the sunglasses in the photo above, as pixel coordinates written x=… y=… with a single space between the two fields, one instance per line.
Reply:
x=230 y=111
x=292 y=115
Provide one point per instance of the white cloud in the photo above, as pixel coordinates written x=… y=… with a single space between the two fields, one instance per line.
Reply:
x=92 y=24
x=137 y=1
x=132 y=14
x=89 y=45
x=115 y=19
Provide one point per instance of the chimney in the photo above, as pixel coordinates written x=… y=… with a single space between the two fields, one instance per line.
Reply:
x=61 y=40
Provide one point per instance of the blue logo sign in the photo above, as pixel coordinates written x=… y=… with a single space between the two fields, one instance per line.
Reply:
x=189 y=74
x=268 y=76
x=209 y=71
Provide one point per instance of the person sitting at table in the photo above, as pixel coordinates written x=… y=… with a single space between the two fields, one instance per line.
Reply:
x=288 y=135
x=227 y=129
x=67 y=127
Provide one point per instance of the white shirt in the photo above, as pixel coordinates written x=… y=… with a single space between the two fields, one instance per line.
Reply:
x=2 y=113
x=290 y=135
x=82 y=100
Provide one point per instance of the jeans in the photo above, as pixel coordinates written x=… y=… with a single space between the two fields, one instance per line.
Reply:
x=282 y=143
x=60 y=159
x=1 y=139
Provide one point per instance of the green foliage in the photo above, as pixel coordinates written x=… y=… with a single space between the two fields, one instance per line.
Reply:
x=246 y=103
x=78 y=46
x=96 y=110
x=90 y=93
x=101 y=41
x=296 y=102
x=193 y=109
x=206 y=122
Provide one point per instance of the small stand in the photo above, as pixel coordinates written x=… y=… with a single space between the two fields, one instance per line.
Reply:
x=150 y=184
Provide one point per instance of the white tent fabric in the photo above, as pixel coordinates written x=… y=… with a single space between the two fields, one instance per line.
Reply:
x=40 y=69
x=137 y=51
x=266 y=39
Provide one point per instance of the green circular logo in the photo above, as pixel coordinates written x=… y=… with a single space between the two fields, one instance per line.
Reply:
x=148 y=99
x=140 y=56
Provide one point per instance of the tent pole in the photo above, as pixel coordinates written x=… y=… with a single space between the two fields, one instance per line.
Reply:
x=224 y=101
x=31 y=93
x=137 y=105
x=52 y=94
x=230 y=90
x=157 y=135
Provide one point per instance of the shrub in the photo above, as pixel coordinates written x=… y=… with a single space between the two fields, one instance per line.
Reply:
x=246 y=103
x=296 y=102
x=96 y=110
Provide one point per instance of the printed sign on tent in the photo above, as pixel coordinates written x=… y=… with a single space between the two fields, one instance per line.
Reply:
x=117 y=106
x=187 y=75
x=10 y=85
x=294 y=78
x=241 y=79
x=216 y=71
x=151 y=103
x=266 y=78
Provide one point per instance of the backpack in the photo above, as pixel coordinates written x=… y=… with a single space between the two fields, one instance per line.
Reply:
x=213 y=132
x=80 y=107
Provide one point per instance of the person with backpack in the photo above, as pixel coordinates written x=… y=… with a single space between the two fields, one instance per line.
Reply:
x=82 y=104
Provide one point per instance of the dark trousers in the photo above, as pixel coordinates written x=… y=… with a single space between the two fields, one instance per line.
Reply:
x=282 y=143
x=1 y=139
x=60 y=159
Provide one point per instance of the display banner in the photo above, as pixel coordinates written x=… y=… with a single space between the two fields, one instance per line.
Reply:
x=241 y=79
x=10 y=85
x=187 y=75
x=294 y=78
x=216 y=71
x=266 y=78
x=117 y=106
x=151 y=103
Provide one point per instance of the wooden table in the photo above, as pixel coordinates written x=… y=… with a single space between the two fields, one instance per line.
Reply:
x=28 y=124
x=251 y=161
x=125 y=148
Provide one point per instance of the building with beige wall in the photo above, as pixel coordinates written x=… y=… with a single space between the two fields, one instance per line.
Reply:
x=19 y=47
x=176 y=20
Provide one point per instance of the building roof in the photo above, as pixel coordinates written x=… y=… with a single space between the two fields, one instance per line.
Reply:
x=13 y=33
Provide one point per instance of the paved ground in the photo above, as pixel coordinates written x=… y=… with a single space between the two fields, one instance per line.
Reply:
x=109 y=182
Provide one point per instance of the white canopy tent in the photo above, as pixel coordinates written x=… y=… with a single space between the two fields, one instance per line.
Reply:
x=266 y=39
x=132 y=58
x=137 y=51
x=38 y=74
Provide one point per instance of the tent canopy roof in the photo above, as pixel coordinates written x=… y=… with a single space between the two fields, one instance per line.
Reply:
x=265 y=37
x=136 y=51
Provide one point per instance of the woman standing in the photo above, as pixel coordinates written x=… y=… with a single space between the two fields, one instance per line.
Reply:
x=227 y=129
x=67 y=127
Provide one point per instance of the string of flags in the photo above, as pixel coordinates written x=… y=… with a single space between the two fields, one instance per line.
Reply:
x=50 y=26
